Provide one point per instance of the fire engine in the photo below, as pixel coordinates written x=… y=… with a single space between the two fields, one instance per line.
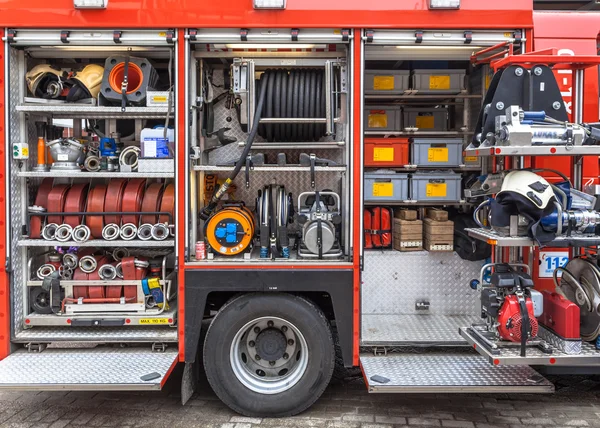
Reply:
x=275 y=189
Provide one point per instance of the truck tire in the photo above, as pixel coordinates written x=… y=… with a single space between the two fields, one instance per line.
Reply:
x=256 y=358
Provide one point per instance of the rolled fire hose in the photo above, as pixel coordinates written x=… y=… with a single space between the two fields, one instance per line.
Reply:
x=41 y=200
x=56 y=202
x=152 y=201
x=129 y=156
x=167 y=204
x=132 y=200
x=75 y=202
x=114 y=199
x=207 y=211
x=95 y=203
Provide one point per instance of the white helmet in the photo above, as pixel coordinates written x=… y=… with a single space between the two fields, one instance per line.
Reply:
x=529 y=185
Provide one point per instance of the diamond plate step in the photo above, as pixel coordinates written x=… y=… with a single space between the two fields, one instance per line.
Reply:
x=125 y=369
x=443 y=373
x=99 y=335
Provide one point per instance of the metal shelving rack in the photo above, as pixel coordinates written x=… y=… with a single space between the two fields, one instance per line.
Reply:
x=589 y=355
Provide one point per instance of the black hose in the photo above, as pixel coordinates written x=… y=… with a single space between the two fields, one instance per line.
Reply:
x=297 y=93
x=207 y=210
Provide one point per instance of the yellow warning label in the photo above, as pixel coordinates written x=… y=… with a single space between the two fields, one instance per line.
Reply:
x=435 y=190
x=162 y=34
x=470 y=158
x=383 y=83
x=25 y=151
x=337 y=31
x=159 y=99
x=383 y=189
x=437 y=154
x=377 y=120
x=488 y=80
x=154 y=321
x=508 y=35
x=425 y=121
x=383 y=154
x=439 y=82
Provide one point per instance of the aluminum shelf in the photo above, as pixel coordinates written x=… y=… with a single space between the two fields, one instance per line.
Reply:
x=77 y=111
x=339 y=168
x=95 y=243
x=439 y=373
x=151 y=319
x=533 y=151
x=145 y=334
x=589 y=355
x=418 y=133
x=129 y=369
x=409 y=203
x=99 y=174
x=415 y=96
x=493 y=238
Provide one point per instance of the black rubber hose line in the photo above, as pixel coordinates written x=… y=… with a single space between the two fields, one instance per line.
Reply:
x=207 y=211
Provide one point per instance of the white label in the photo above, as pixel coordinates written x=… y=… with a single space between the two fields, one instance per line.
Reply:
x=288 y=62
x=550 y=260
x=62 y=157
x=542 y=86
x=150 y=148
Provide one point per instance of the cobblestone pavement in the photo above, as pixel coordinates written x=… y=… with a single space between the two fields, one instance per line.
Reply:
x=345 y=404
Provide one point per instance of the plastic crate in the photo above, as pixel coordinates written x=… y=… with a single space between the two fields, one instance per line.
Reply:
x=437 y=152
x=438 y=81
x=386 y=81
x=382 y=118
x=425 y=118
x=382 y=187
x=386 y=152
x=435 y=187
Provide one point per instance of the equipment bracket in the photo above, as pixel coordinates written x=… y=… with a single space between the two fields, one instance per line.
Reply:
x=11 y=33
x=159 y=347
x=244 y=34
x=468 y=37
x=345 y=34
x=295 y=32
x=64 y=36
x=170 y=36
x=418 y=36
x=36 y=347
x=193 y=33
x=117 y=36
x=369 y=34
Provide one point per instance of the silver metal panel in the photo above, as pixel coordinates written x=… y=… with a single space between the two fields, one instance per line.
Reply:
x=390 y=330
x=523 y=241
x=97 y=334
x=16 y=202
x=94 y=112
x=97 y=37
x=589 y=355
x=448 y=373
x=95 y=243
x=270 y=35
x=440 y=37
x=572 y=347
x=87 y=369
x=99 y=174
x=267 y=168
x=533 y=151
x=393 y=281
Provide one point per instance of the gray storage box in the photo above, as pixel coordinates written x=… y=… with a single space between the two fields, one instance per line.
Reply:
x=438 y=81
x=426 y=118
x=442 y=152
x=382 y=187
x=156 y=165
x=435 y=186
x=382 y=118
x=386 y=81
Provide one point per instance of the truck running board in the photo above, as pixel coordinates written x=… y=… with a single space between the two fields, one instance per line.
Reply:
x=436 y=373
x=129 y=369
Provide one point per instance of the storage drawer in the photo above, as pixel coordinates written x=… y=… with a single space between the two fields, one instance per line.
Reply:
x=436 y=187
x=442 y=152
x=426 y=119
x=386 y=81
x=438 y=81
x=382 y=118
x=381 y=187
x=381 y=152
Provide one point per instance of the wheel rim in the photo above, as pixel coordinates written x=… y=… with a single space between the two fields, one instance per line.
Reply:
x=269 y=355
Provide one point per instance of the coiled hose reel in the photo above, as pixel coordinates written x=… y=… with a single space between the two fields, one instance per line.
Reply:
x=295 y=93
x=275 y=210
x=230 y=230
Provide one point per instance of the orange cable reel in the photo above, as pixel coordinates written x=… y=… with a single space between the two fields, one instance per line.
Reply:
x=230 y=231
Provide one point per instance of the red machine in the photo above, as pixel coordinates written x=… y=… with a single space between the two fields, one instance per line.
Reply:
x=561 y=316
x=510 y=319
x=378 y=227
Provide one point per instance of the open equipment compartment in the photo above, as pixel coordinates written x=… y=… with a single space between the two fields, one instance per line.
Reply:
x=413 y=296
x=291 y=198
x=55 y=81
